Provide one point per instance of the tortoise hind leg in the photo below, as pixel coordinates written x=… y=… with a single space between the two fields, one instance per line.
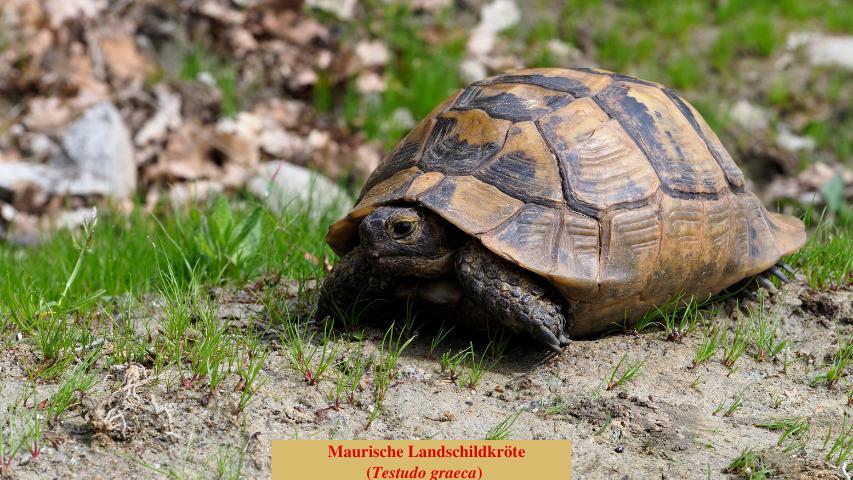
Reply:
x=777 y=271
x=518 y=299
x=747 y=286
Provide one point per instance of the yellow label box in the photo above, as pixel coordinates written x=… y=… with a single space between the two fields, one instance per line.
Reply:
x=421 y=459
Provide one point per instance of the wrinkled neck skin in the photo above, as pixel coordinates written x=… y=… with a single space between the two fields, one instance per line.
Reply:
x=428 y=251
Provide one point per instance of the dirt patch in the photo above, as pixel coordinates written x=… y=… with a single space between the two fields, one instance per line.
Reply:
x=661 y=424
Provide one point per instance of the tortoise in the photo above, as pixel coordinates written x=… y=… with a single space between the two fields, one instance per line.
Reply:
x=558 y=202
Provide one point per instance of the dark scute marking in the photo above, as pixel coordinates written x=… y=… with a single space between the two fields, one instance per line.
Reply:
x=617 y=77
x=507 y=106
x=400 y=159
x=571 y=199
x=754 y=251
x=560 y=84
x=557 y=101
x=447 y=154
x=587 y=70
x=640 y=126
x=631 y=190
x=633 y=205
x=513 y=173
x=682 y=107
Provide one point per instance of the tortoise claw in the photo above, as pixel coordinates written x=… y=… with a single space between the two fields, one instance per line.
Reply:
x=776 y=272
x=788 y=269
x=548 y=338
x=764 y=282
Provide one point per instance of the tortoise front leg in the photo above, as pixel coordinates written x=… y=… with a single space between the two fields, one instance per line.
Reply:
x=518 y=299
x=353 y=285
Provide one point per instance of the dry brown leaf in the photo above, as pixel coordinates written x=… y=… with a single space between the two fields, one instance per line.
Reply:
x=284 y=145
x=371 y=82
x=9 y=156
x=372 y=53
x=39 y=43
x=285 y=113
x=220 y=12
x=367 y=158
x=79 y=73
x=186 y=156
x=343 y=9
x=167 y=117
x=817 y=175
x=47 y=114
x=61 y=11
x=242 y=41
x=238 y=139
x=123 y=58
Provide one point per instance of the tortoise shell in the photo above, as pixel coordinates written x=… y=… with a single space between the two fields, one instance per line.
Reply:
x=614 y=189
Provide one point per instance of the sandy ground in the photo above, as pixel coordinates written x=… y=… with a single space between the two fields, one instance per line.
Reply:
x=655 y=426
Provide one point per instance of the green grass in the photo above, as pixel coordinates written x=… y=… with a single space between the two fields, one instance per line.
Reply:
x=765 y=339
x=749 y=465
x=79 y=382
x=735 y=345
x=732 y=407
x=419 y=76
x=501 y=431
x=619 y=376
x=198 y=60
x=841 y=443
x=711 y=339
x=86 y=288
x=250 y=364
x=451 y=363
x=439 y=337
x=311 y=359
x=794 y=432
x=126 y=253
x=825 y=259
x=394 y=342
x=350 y=373
x=837 y=368
x=476 y=368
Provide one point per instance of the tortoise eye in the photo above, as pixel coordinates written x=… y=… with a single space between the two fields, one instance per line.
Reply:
x=401 y=229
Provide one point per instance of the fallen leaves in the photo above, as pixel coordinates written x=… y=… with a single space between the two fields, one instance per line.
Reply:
x=122 y=58
x=202 y=119
x=61 y=11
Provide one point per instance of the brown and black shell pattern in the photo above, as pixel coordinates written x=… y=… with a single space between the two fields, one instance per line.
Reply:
x=612 y=188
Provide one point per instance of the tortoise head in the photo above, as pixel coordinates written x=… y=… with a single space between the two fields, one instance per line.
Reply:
x=409 y=240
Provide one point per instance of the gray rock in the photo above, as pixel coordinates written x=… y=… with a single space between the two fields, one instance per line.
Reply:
x=98 y=143
x=824 y=50
x=789 y=141
x=97 y=160
x=282 y=185
x=749 y=116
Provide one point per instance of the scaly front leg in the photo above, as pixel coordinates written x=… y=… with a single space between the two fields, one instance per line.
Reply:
x=516 y=298
x=354 y=287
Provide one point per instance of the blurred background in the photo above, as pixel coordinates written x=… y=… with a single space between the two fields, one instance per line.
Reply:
x=146 y=102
